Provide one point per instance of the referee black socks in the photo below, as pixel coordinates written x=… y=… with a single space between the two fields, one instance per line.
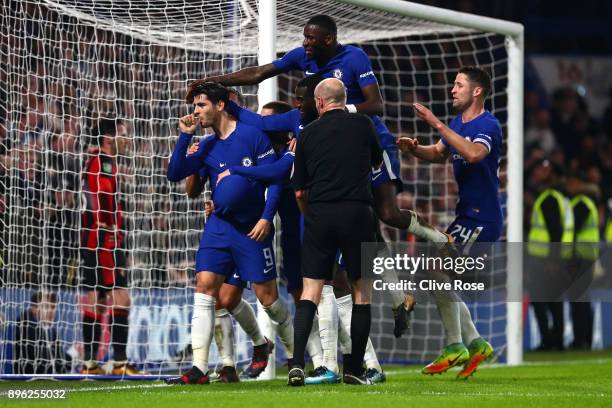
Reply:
x=304 y=314
x=360 y=331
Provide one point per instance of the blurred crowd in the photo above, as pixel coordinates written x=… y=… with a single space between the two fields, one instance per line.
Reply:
x=61 y=77
x=558 y=128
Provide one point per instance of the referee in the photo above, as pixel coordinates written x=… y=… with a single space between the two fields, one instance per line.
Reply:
x=331 y=178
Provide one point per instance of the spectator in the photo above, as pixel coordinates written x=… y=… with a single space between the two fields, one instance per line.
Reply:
x=37 y=347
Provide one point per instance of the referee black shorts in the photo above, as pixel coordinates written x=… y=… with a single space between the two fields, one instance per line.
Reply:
x=329 y=227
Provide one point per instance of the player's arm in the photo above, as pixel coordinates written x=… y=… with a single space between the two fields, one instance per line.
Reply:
x=270 y=173
x=364 y=75
x=299 y=178
x=435 y=153
x=373 y=104
x=194 y=184
x=376 y=150
x=282 y=122
x=245 y=76
x=182 y=165
x=266 y=156
x=472 y=152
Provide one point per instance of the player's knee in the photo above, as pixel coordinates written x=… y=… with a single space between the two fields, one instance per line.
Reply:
x=388 y=213
x=266 y=292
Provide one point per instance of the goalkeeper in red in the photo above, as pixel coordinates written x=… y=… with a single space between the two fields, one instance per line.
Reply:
x=102 y=269
x=473 y=140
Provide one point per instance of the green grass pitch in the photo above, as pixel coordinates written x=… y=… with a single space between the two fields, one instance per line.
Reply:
x=546 y=379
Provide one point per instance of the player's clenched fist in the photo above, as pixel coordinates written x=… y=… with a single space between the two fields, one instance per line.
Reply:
x=188 y=124
x=407 y=144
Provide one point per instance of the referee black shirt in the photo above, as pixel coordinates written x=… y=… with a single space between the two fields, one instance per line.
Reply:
x=334 y=156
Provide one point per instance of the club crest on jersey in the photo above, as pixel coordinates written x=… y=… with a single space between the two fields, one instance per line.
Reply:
x=107 y=168
x=337 y=73
x=247 y=162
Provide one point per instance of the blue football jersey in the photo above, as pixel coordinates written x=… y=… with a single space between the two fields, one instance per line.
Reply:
x=351 y=65
x=478 y=183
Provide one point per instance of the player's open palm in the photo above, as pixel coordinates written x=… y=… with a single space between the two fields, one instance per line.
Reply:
x=188 y=124
x=425 y=114
x=407 y=144
x=261 y=230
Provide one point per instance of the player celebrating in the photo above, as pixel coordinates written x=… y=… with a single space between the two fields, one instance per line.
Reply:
x=238 y=234
x=474 y=140
x=328 y=310
x=321 y=53
x=101 y=238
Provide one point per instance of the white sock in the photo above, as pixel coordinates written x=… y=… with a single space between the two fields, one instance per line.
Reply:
x=345 y=311
x=202 y=324
x=423 y=230
x=449 y=313
x=245 y=316
x=328 y=328
x=344 y=338
x=468 y=329
x=313 y=346
x=224 y=337
x=371 y=360
x=279 y=314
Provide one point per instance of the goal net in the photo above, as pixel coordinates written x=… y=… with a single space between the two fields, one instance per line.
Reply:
x=69 y=63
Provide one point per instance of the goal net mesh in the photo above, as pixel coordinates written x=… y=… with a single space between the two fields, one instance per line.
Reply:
x=68 y=63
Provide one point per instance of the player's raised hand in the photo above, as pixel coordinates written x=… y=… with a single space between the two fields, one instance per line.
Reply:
x=193 y=148
x=407 y=144
x=209 y=207
x=222 y=175
x=292 y=144
x=188 y=124
x=427 y=115
x=261 y=230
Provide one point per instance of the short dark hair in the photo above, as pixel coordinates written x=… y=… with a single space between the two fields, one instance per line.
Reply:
x=478 y=76
x=278 y=106
x=325 y=22
x=310 y=83
x=107 y=127
x=213 y=90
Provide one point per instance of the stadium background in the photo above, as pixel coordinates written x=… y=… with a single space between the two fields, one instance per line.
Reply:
x=570 y=124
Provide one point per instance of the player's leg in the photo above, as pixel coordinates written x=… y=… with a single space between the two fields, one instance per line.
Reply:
x=213 y=264
x=120 y=312
x=318 y=254
x=120 y=297
x=229 y=297
x=342 y=290
x=92 y=310
x=256 y=263
x=327 y=371
x=351 y=237
x=291 y=243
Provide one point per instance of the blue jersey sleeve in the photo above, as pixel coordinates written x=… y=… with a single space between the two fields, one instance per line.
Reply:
x=274 y=172
x=265 y=155
x=181 y=165
x=489 y=136
x=282 y=122
x=291 y=60
x=362 y=69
